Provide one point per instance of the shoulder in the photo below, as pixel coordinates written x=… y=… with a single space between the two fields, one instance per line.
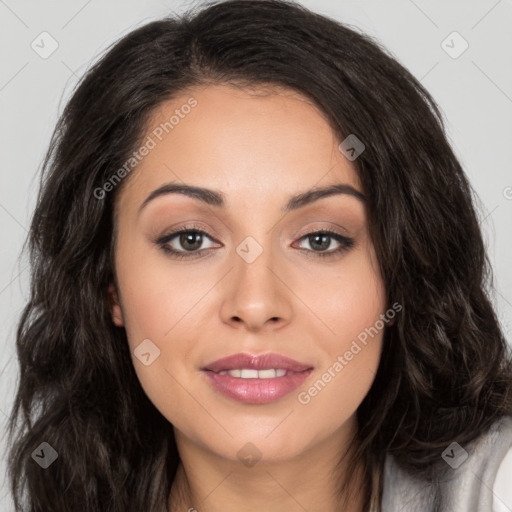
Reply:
x=473 y=480
x=502 y=490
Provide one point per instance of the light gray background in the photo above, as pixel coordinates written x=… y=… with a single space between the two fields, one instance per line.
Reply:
x=473 y=90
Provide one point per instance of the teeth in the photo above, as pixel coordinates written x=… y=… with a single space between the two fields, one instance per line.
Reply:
x=266 y=374
x=246 y=373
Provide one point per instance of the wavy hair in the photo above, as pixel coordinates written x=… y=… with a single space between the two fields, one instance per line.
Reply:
x=445 y=371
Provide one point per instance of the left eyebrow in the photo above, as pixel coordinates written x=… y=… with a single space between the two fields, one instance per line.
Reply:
x=217 y=198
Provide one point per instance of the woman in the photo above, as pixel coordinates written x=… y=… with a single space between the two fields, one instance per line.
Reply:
x=258 y=281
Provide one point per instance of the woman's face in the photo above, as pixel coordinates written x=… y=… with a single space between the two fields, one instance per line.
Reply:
x=254 y=282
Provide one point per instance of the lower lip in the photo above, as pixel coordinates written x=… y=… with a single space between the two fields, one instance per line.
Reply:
x=256 y=391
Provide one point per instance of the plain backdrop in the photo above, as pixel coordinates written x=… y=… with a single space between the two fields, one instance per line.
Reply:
x=473 y=88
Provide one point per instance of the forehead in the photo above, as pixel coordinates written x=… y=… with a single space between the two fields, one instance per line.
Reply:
x=257 y=143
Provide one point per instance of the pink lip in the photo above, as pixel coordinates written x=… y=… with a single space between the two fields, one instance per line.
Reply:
x=261 y=362
x=256 y=391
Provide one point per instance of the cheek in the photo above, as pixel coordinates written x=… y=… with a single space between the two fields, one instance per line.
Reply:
x=352 y=342
x=342 y=383
x=157 y=296
x=356 y=298
x=162 y=305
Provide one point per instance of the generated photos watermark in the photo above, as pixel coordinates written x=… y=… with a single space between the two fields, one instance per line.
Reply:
x=304 y=397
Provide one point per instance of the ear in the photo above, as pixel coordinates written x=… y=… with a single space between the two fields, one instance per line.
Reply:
x=115 y=307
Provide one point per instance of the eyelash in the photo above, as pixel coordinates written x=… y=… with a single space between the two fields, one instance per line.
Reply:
x=162 y=242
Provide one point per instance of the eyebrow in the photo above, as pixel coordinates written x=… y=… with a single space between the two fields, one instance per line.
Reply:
x=217 y=198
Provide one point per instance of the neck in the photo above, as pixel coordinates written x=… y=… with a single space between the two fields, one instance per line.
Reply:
x=206 y=482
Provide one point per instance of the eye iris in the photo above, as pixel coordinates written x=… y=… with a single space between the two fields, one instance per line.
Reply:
x=323 y=245
x=195 y=240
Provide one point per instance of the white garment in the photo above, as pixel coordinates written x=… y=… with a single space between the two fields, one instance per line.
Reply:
x=502 y=489
x=479 y=479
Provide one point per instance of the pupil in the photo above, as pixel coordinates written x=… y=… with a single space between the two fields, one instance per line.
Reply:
x=186 y=238
x=325 y=238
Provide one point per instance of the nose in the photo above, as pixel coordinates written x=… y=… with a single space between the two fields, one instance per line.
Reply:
x=256 y=295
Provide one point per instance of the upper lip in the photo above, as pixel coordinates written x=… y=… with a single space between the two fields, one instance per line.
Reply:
x=256 y=362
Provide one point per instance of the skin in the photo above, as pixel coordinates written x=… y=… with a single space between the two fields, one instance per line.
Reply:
x=258 y=150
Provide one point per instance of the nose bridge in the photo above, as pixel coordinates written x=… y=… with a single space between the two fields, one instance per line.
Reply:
x=252 y=264
x=255 y=294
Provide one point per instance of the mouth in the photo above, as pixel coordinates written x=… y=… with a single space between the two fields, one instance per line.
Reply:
x=256 y=379
x=248 y=373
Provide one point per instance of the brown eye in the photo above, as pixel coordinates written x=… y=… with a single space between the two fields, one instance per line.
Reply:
x=190 y=241
x=186 y=240
x=320 y=241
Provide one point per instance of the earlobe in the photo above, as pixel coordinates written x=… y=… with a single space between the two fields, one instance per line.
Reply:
x=115 y=307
